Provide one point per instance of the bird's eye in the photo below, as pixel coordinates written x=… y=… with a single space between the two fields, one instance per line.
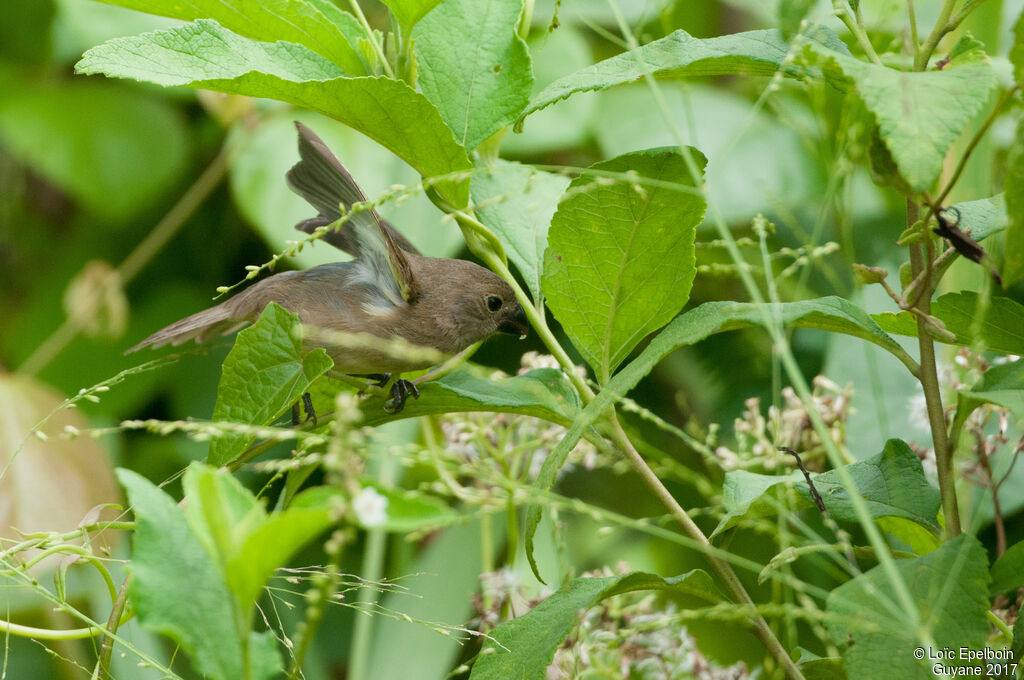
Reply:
x=493 y=303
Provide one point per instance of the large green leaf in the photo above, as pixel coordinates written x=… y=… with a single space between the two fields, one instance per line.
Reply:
x=998 y=327
x=948 y=586
x=264 y=374
x=681 y=55
x=829 y=313
x=522 y=649
x=112 y=148
x=247 y=543
x=168 y=558
x=620 y=258
x=269 y=544
x=543 y=393
x=919 y=115
x=318 y=25
x=206 y=55
x=891 y=484
x=473 y=66
x=517 y=203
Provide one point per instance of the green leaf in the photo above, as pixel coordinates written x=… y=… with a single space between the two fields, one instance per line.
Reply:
x=949 y=587
x=828 y=313
x=892 y=484
x=406 y=510
x=522 y=649
x=176 y=587
x=268 y=546
x=517 y=203
x=264 y=656
x=205 y=55
x=1001 y=385
x=620 y=260
x=543 y=393
x=264 y=374
x=247 y=544
x=1013 y=183
x=318 y=25
x=998 y=327
x=203 y=51
x=919 y=115
x=114 y=149
x=1008 y=570
x=219 y=510
x=473 y=66
x=409 y=12
x=680 y=55
x=984 y=217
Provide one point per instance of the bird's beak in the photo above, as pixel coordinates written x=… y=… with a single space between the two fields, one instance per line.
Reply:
x=515 y=324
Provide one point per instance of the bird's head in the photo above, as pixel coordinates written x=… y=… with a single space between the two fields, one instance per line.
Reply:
x=483 y=303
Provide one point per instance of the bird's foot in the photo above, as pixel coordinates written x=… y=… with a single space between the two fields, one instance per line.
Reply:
x=307 y=406
x=400 y=392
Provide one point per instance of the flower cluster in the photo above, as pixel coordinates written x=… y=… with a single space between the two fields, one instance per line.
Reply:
x=758 y=436
x=516 y=444
x=628 y=636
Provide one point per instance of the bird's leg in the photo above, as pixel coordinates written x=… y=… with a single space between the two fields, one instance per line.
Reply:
x=400 y=391
x=307 y=406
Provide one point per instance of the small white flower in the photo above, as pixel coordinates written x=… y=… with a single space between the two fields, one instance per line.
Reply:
x=371 y=507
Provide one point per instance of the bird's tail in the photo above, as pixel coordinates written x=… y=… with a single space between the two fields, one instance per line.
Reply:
x=219 y=320
x=321 y=179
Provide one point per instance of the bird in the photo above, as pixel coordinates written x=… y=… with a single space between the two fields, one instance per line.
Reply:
x=388 y=290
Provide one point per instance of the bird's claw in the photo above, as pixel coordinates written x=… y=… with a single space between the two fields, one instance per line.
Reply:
x=400 y=392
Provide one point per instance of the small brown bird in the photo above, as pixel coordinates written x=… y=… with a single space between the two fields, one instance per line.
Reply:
x=389 y=290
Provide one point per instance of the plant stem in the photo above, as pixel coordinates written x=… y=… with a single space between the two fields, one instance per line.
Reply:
x=942 y=27
x=140 y=256
x=760 y=627
x=319 y=597
x=841 y=9
x=930 y=384
x=103 y=664
x=912 y=18
x=959 y=17
x=370 y=38
x=371 y=570
x=539 y=324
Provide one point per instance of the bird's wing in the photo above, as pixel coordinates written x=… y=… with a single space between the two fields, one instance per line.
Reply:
x=321 y=179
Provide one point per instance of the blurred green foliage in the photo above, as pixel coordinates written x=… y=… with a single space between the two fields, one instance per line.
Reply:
x=90 y=166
